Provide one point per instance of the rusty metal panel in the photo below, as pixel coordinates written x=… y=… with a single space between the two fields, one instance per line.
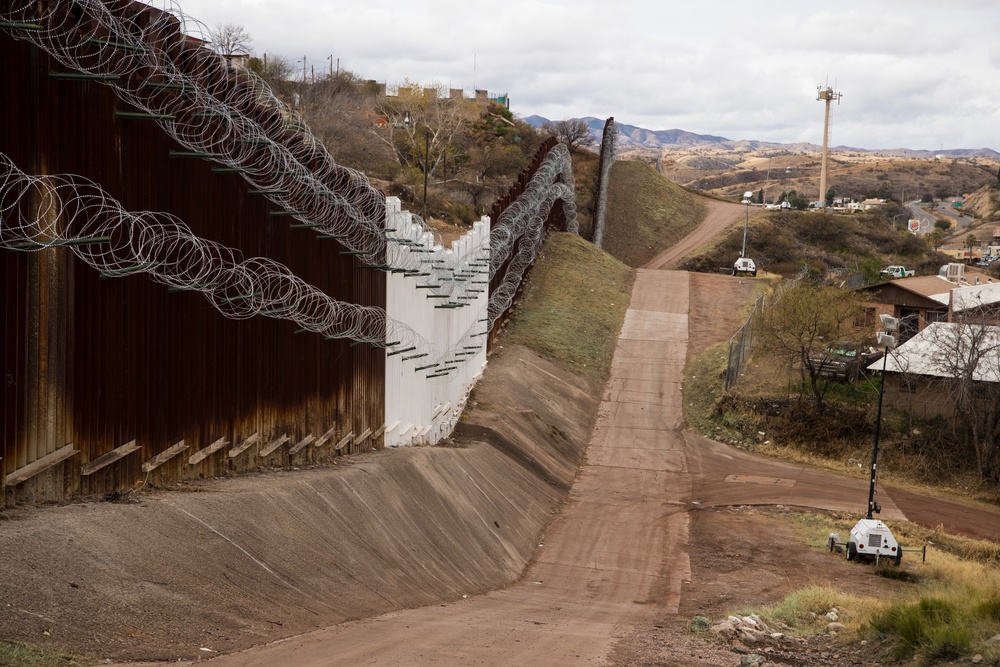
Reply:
x=127 y=359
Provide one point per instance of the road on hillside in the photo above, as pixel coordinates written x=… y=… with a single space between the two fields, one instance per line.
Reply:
x=720 y=216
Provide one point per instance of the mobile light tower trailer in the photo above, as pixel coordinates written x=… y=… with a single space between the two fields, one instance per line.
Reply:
x=870 y=538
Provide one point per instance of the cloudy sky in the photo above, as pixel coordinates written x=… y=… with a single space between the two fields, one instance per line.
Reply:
x=922 y=74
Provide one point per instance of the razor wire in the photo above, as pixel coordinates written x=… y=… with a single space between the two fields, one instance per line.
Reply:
x=524 y=221
x=222 y=113
x=38 y=212
x=230 y=116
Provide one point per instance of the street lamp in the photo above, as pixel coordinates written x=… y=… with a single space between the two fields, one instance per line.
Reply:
x=746 y=222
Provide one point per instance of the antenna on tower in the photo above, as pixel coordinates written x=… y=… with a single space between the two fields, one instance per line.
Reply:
x=825 y=95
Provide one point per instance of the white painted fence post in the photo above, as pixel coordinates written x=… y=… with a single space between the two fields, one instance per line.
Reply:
x=422 y=406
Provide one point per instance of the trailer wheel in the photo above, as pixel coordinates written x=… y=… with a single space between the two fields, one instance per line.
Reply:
x=852 y=551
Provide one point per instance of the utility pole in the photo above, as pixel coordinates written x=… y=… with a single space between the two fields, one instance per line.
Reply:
x=331 y=65
x=825 y=95
x=303 y=69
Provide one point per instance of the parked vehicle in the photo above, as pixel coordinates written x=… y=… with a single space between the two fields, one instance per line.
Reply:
x=897 y=272
x=844 y=360
x=744 y=266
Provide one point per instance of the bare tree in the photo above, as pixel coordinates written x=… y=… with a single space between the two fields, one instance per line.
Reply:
x=341 y=111
x=275 y=70
x=573 y=132
x=801 y=320
x=964 y=356
x=419 y=124
x=231 y=39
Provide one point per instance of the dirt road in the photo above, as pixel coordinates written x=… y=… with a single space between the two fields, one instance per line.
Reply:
x=658 y=526
x=720 y=216
x=618 y=554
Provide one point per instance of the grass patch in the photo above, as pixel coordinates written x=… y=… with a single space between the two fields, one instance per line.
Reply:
x=646 y=213
x=573 y=305
x=946 y=609
x=705 y=381
x=13 y=654
x=805 y=610
x=935 y=628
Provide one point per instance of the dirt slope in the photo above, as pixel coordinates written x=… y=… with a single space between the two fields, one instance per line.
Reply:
x=721 y=216
x=227 y=564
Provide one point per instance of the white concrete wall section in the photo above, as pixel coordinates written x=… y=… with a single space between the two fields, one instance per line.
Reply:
x=442 y=296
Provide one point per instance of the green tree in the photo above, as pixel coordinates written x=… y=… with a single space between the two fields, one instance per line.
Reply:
x=760 y=196
x=942 y=224
x=830 y=194
x=801 y=320
x=971 y=242
x=797 y=201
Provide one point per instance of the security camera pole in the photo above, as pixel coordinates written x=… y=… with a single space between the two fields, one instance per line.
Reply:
x=746 y=200
x=885 y=338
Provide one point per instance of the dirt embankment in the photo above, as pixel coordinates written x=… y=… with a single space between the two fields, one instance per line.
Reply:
x=239 y=562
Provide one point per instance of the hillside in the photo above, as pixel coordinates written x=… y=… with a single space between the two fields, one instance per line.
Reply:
x=838 y=246
x=857 y=176
x=646 y=213
x=983 y=204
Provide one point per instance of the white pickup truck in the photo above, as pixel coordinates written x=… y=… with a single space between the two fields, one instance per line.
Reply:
x=897 y=272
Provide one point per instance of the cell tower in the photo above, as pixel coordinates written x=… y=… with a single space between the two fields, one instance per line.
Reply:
x=825 y=95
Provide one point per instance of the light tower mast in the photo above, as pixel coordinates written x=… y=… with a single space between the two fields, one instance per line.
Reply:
x=825 y=95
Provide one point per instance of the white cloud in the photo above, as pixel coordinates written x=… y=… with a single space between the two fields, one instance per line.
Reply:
x=914 y=73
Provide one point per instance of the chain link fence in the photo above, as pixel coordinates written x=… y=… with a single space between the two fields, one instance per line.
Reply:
x=741 y=344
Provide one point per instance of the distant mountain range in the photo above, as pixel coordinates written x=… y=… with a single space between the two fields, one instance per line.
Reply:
x=634 y=137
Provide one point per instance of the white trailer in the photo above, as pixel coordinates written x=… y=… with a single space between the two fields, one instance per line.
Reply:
x=872 y=539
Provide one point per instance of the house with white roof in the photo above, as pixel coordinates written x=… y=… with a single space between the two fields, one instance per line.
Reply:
x=921 y=371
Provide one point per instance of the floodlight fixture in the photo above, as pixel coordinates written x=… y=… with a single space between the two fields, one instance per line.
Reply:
x=886 y=340
x=889 y=323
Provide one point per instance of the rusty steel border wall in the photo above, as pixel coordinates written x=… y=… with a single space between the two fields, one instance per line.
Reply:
x=105 y=378
x=556 y=220
x=114 y=382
